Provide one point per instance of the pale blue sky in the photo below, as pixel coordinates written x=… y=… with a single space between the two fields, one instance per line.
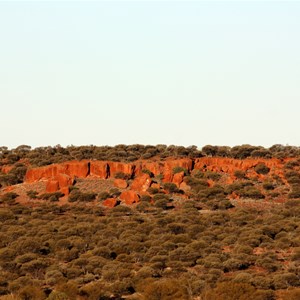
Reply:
x=183 y=73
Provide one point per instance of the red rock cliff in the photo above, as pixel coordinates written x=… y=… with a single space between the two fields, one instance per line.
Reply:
x=61 y=176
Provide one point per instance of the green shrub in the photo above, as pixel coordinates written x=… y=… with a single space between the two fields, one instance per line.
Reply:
x=179 y=170
x=77 y=195
x=295 y=193
x=51 y=196
x=268 y=186
x=213 y=175
x=32 y=194
x=240 y=174
x=121 y=175
x=9 y=196
x=146 y=171
x=230 y=291
x=104 y=196
x=152 y=190
x=171 y=187
x=261 y=168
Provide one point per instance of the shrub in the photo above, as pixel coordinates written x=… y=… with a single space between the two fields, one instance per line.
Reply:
x=77 y=195
x=104 y=195
x=32 y=194
x=240 y=174
x=209 y=150
x=9 y=197
x=152 y=190
x=121 y=175
x=51 y=196
x=161 y=203
x=114 y=192
x=146 y=171
x=242 y=151
x=268 y=186
x=261 y=168
x=292 y=294
x=213 y=175
x=167 y=289
x=295 y=193
x=198 y=174
x=160 y=196
x=230 y=291
x=251 y=192
x=261 y=153
x=179 y=170
x=171 y=187
x=145 y=198
x=292 y=177
x=32 y=293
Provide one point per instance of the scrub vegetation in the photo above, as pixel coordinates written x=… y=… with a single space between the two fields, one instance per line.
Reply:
x=208 y=236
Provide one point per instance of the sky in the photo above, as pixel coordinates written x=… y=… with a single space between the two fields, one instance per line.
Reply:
x=149 y=72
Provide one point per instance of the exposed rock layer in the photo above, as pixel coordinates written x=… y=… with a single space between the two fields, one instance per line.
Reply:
x=61 y=176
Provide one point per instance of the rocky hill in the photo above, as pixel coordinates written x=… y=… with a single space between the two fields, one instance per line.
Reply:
x=262 y=179
x=144 y=222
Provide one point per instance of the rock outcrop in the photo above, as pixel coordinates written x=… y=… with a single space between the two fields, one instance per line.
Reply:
x=59 y=177
x=120 y=183
x=99 y=169
x=74 y=169
x=129 y=197
x=178 y=178
x=230 y=165
x=110 y=202
x=141 y=183
x=119 y=167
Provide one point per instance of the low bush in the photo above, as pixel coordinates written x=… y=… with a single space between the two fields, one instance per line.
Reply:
x=261 y=168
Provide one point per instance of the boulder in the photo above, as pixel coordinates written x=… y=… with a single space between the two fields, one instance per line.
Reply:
x=52 y=186
x=110 y=202
x=170 y=165
x=178 y=178
x=65 y=190
x=141 y=183
x=120 y=183
x=186 y=188
x=156 y=185
x=129 y=197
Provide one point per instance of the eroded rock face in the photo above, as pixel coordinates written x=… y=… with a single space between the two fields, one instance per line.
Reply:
x=230 y=165
x=178 y=178
x=76 y=169
x=99 y=169
x=129 y=197
x=52 y=186
x=171 y=165
x=64 y=180
x=42 y=173
x=59 y=177
x=119 y=167
x=73 y=169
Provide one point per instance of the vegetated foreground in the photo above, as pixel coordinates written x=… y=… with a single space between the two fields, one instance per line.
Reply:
x=150 y=222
